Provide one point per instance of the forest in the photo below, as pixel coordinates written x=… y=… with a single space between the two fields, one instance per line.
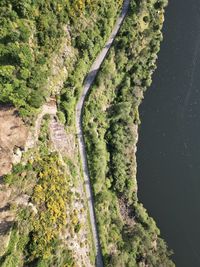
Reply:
x=31 y=32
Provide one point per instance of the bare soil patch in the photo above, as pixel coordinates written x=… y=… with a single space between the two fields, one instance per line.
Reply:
x=13 y=135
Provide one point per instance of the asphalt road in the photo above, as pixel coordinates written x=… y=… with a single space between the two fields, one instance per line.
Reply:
x=80 y=105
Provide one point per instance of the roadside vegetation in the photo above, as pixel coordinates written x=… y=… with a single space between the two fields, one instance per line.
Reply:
x=129 y=237
x=88 y=37
x=30 y=36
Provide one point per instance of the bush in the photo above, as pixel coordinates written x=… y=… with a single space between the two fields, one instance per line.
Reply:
x=36 y=99
x=61 y=117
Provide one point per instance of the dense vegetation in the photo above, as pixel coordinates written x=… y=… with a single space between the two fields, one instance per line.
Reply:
x=30 y=36
x=88 y=39
x=129 y=237
x=31 y=33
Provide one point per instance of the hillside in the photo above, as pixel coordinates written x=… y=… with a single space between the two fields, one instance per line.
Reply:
x=46 y=51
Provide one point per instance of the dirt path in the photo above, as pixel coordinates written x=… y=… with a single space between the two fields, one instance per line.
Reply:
x=87 y=85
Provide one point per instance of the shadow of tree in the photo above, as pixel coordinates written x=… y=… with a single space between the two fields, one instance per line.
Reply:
x=5 y=226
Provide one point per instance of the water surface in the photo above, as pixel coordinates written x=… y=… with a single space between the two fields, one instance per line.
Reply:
x=169 y=145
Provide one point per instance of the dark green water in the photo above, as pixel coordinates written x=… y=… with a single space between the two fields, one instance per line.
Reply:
x=169 y=146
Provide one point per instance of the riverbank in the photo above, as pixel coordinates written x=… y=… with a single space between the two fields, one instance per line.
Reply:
x=169 y=151
x=110 y=128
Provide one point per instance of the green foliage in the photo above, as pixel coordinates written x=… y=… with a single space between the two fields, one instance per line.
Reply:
x=64 y=258
x=88 y=40
x=36 y=233
x=77 y=228
x=15 y=177
x=18 y=168
x=36 y=100
x=50 y=198
x=61 y=117
x=31 y=32
x=8 y=179
x=35 y=239
x=129 y=237
x=17 y=243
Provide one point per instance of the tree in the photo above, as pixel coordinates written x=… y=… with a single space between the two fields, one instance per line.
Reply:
x=36 y=99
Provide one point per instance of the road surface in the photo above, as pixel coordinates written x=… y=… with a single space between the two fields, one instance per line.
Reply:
x=86 y=87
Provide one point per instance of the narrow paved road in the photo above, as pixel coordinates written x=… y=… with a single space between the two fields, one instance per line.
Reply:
x=87 y=85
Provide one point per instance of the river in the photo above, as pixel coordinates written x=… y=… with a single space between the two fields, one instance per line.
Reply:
x=169 y=145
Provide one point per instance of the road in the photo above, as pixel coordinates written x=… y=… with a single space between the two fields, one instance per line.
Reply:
x=79 y=108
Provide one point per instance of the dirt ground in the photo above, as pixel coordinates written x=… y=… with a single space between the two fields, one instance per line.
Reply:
x=13 y=135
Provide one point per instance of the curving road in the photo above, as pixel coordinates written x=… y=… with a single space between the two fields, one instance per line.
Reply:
x=86 y=87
